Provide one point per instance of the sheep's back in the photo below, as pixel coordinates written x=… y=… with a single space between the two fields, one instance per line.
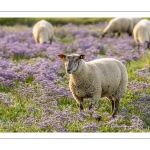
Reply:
x=141 y=31
x=121 y=24
x=43 y=32
x=43 y=25
x=110 y=72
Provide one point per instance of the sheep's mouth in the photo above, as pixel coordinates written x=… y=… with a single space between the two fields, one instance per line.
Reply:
x=69 y=72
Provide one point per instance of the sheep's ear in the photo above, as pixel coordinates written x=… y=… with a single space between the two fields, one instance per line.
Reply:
x=82 y=56
x=62 y=57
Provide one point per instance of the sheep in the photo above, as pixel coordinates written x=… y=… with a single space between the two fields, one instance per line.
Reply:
x=141 y=32
x=104 y=77
x=43 y=32
x=119 y=25
x=134 y=21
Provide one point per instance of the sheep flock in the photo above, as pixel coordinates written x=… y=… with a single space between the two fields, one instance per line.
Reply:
x=71 y=77
x=102 y=77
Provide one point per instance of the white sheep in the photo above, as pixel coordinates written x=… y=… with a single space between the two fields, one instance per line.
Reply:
x=105 y=77
x=141 y=32
x=43 y=32
x=134 y=21
x=119 y=25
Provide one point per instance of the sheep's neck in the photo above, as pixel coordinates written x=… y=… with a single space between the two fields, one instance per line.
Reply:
x=79 y=77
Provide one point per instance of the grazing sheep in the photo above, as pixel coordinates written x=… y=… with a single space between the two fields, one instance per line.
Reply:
x=119 y=25
x=43 y=32
x=134 y=21
x=105 y=77
x=141 y=32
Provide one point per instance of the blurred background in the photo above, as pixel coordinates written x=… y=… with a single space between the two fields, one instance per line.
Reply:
x=54 y=21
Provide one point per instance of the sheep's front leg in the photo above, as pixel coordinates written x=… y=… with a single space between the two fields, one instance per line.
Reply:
x=79 y=101
x=81 y=105
x=119 y=34
x=112 y=103
x=113 y=34
x=94 y=101
x=129 y=33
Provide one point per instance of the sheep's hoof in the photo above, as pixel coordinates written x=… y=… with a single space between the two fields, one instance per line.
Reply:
x=113 y=116
x=98 y=118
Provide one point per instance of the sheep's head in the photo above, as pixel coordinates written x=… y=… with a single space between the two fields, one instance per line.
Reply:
x=103 y=34
x=71 y=62
x=105 y=31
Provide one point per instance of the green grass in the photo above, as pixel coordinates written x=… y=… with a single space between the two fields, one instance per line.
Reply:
x=13 y=116
x=138 y=64
x=21 y=108
x=54 y=21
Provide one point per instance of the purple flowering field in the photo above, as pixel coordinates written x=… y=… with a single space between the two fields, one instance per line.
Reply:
x=34 y=91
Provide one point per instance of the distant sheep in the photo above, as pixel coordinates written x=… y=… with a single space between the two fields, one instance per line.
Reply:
x=43 y=32
x=134 y=21
x=119 y=25
x=141 y=32
x=105 y=77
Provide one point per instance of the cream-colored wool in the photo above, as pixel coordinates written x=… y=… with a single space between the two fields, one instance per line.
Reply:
x=134 y=21
x=141 y=31
x=120 y=25
x=105 y=77
x=43 y=32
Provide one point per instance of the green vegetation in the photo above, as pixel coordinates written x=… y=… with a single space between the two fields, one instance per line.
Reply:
x=54 y=21
x=25 y=105
x=21 y=109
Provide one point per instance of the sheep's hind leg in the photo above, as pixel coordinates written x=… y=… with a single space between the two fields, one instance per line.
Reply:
x=148 y=44
x=112 y=103
x=79 y=100
x=116 y=106
x=51 y=40
x=138 y=47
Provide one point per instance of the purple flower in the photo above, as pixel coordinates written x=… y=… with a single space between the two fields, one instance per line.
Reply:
x=34 y=74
